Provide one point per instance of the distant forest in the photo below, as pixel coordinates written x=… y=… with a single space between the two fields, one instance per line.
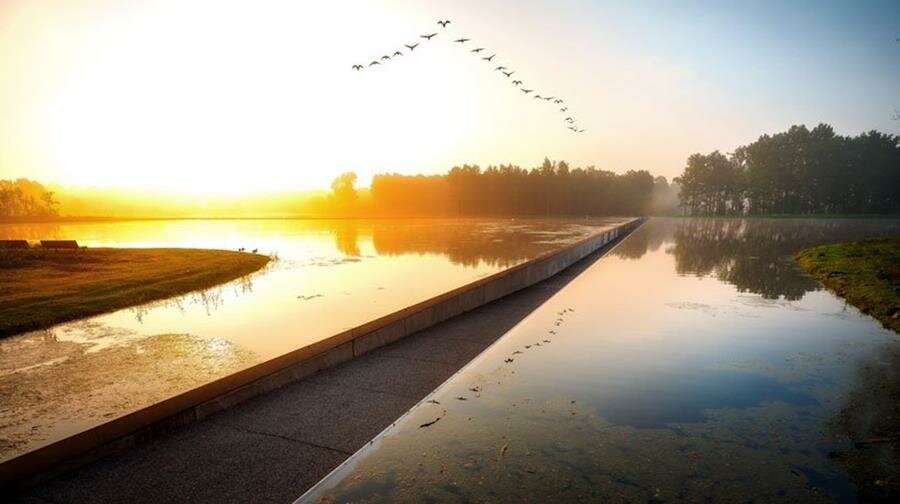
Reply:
x=25 y=198
x=552 y=189
x=799 y=171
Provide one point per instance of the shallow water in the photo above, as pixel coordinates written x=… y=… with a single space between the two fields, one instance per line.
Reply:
x=694 y=362
x=328 y=276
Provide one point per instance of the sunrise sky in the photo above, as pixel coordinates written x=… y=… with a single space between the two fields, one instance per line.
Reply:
x=228 y=97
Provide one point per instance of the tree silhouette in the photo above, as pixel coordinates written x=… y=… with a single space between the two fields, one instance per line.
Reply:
x=799 y=171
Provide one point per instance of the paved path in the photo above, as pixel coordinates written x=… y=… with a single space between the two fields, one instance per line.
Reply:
x=274 y=447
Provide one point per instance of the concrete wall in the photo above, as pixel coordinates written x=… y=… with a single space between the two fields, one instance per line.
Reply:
x=144 y=424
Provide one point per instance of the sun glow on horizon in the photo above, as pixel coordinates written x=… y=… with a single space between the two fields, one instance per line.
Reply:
x=211 y=97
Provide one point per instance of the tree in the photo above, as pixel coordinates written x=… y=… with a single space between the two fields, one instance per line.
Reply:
x=343 y=189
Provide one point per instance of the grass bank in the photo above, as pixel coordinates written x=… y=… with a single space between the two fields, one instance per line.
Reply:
x=865 y=273
x=39 y=288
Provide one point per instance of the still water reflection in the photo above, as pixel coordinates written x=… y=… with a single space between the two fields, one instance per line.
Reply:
x=328 y=276
x=694 y=362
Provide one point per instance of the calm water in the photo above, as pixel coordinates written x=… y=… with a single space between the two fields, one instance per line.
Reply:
x=693 y=363
x=328 y=276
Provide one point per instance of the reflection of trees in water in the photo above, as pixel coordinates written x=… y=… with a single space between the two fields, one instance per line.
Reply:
x=470 y=244
x=651 y=236
x=30 y=231
x=346 y=238
x=754 y=255
x=210 y=299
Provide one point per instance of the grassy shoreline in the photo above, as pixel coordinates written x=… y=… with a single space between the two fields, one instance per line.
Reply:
x=865 y=273
x=40 y=288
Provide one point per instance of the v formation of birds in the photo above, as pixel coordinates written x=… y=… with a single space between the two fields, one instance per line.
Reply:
x=569 y=121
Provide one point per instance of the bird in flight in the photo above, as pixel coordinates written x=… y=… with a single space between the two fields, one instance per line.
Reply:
x=564 y=109
x=398 y=53
x=517 y=82
x=412 y=47
x=557 y=100
x=385 y=57
x=580 y=131
x=444 y=23
x=526 y=91
x=537 y=96
x=357 y=67
x=489 y=58
x=374 y=62
x=570 y=120
x=509 y=74
x=548 y=98
x=428 y=37
x=477 y=49
x=573 y=128
x=500 y=68
x=461 y=40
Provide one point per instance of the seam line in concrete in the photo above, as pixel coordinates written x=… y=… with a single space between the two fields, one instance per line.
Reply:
x=364 y=389
x=416 y=359
x=279 y=436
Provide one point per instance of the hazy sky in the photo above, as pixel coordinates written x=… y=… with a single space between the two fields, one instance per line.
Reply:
x=222 y=96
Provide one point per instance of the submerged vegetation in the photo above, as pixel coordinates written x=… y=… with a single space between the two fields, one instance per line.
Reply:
x=799 y=171
x=39 y=288
x=865 y=273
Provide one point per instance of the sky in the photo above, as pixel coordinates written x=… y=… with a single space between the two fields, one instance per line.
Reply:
x=218 y=96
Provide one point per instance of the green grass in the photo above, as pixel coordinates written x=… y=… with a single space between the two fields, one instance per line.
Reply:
x=865 y=273
x=40 y=288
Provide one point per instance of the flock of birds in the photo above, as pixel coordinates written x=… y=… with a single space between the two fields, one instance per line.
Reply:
x=569 y=121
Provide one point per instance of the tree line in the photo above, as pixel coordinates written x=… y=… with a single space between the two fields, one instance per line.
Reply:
x=551 y=189
x=25 y=198
x=799 y=171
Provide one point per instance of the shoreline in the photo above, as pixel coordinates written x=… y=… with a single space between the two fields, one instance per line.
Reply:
x=49 y=287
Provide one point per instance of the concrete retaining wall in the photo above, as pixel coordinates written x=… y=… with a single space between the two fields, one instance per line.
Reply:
x=139 y=426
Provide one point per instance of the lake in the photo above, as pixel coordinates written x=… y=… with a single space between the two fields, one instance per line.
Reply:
x=328 y=276
x=694 y=362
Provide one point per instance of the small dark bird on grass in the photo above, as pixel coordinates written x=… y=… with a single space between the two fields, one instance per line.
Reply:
x=374 y=62
x=428 y=37
x=489 y=58
x=255 y=250
x=461 y=40
x=412 y=47
x=444 y=23
x=517 y=82
x=526 y=91
x=398 y=53
x=241 y=249
x=357 y=67
x=477 y=49
x=509 y=74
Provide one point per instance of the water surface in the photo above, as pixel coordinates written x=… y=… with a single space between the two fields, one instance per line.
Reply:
x=695 y=362
x=328 y=276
